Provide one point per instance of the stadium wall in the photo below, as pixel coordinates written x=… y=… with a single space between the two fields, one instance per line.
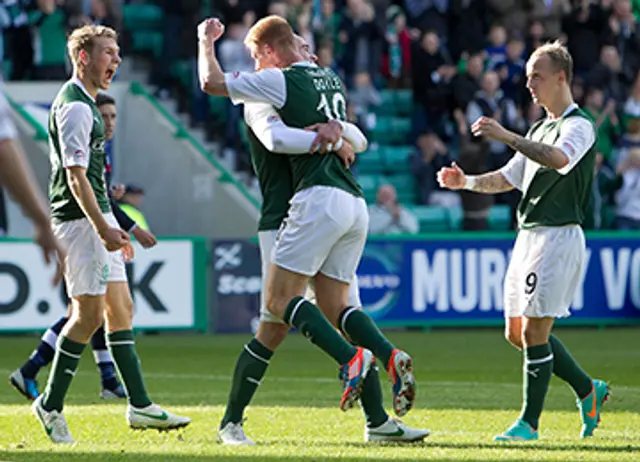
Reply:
x=188 y=192
x=450 y=280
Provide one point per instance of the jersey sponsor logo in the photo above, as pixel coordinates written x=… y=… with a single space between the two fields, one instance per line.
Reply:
x=79 y=155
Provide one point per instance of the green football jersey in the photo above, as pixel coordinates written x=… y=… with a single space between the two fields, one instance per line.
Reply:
x=276 y=183
x=64 y=206
x=316 y=95
x=550 y=198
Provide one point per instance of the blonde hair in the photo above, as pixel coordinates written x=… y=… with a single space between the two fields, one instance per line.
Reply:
x=559 y=56
x=83 y=39
x=272 y=30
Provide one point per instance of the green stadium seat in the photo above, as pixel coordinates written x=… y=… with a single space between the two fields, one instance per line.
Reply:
x=391 y=130
x=455 y=215
x=499 y=217
x=405 y=185
x=395 y=103
x=147 y=42
x=218 y=108
x=387 y=101
x=431 y=219
x=370 y=161
x=403 y=102
x=369 y=184
x=396 y=158
x=382 y=131
x=7 y=66
x=183 y=72
x=402 y=181
x=142 y=17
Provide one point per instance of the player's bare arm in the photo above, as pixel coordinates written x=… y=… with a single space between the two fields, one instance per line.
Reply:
x=544 y=154
x=209 y=70
x=16 y=176
x=488 y=183
x=279 y=138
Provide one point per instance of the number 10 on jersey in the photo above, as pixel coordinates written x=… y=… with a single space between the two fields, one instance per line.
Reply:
x=337 y=109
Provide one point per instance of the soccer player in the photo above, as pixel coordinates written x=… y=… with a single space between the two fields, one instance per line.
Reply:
x=24 y=378
x=325 y=231
x=265 y=132
x=16 y=176
x=82 y=219
x=553 y=167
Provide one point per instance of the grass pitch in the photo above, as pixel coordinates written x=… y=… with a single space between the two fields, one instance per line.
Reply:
x=468 y=391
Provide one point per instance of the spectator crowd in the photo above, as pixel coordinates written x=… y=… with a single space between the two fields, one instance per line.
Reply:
x=461 y=59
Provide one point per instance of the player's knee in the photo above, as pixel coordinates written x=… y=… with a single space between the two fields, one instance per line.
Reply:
x=533 y=334
x=276 y=304
x=271 y=334
x=87 y=320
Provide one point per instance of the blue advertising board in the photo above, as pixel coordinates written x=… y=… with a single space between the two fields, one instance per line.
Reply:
x=445 y=280
x=459 y=280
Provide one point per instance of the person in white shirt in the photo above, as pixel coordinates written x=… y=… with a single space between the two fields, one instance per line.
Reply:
x=388 y=217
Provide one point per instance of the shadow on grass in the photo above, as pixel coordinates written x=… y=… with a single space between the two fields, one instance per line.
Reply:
x=72 y=456
x=542 y=446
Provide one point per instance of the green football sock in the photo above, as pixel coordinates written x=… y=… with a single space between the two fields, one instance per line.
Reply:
x=537 y=375
x=566 y=368
x=307 y=318
x=356 y=325
x=65 y=364
x=250 y=368
x=123 y=350
x=371 y=399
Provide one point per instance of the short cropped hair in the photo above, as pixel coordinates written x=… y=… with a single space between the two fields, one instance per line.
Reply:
x=272 y=30
x=84 y=37
x=559 y=56
x=103 y=99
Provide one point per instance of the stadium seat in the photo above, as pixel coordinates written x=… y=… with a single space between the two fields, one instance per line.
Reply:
x=7 y=66
x=499 y=217
x=405 y=185
x=396 y=158
x=431 y=219
x=403 y=102
x=391 y=130
x=387 y=103
x=218 y=108
x=183 y=73
x=395 y=103
x=455 y=215
x=369 y=184
x=147 y=42
x=142 y=17
x=370 y=161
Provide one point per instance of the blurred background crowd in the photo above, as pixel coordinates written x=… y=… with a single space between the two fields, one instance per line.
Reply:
x=418 y=72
